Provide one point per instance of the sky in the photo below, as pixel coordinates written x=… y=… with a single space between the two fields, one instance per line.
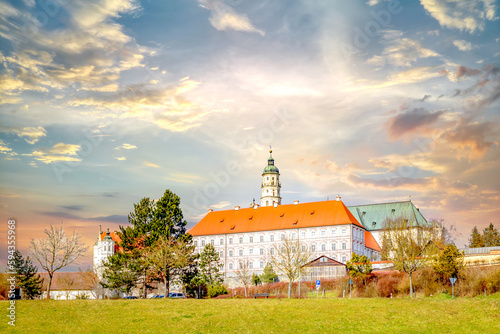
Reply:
x=103 y=103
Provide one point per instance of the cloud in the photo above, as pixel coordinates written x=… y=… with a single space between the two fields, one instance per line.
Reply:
x=411 y=121
x=465 y=71
x=75 y=207
x=220 y=205
x=224 y=17
x=121 y=158
x=30 y=134
x=111 y=219
x=126 y=146
x=59 y=152
x=462 y=45
x=401 y=52
x=390 y=182
x=150 y=164
x=467 y=15
x=5 y=149
x=470 y=138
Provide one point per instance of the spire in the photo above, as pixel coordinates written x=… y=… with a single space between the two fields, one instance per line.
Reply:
x=107 y=233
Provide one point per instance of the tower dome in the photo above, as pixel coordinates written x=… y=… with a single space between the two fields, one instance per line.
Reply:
x=270 y=183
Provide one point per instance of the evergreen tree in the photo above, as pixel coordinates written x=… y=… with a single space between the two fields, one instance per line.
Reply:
x=491 y=236
x=449 y=262
x=256 y=279
x=268 y=275
x=209 y=264
x=26 y=276
x=359 y=267
x=123 y=271
x=476 y=239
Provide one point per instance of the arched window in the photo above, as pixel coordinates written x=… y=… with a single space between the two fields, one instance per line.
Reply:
x=334 y=232
x=230 y=253
x=250 y=265
x=313 y=248
x=344 y=259
x=261 y=251
x=261 y=264
x=334 y=246
x=240 y=252
x=203 y=243
x=221 y=254
x=344 y=245
x=323 y=247
x=230 y=266
x=344 y=231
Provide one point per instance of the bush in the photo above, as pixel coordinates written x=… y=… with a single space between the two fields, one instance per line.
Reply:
x=215 y=290
x=387 y=284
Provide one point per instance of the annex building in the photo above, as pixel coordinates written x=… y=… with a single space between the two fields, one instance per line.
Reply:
x=330 y=229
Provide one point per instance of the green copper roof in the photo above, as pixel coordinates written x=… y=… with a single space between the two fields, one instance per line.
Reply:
x=373 y=216
x=270 y=168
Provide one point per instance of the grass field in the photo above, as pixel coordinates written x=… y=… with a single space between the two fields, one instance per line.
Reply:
x=437 y=315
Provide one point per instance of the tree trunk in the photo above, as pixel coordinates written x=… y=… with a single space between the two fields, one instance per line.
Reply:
x=289 y=289
x=246 y=291
x=48 y=285
x=411 y=286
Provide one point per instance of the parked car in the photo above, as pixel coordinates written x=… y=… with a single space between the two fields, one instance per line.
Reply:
x=157 y=296
x=130 y=297
x=176 y=295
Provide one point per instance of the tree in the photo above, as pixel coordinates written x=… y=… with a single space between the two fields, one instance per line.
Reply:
x=476 y=239
x=122 y=271
x=243 y=274
x=408 y=245
x=256 y=279
x=268 y=275
x=449 y=262
x=152 y=220
x=288 y=258
x=26 y=276
x=169 y=257
x=56 y=251
x=491 y=236
x=359 y=267
x=209 y=265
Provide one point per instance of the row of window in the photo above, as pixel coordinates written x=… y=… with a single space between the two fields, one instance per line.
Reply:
x=271 y=237
x=231 y=253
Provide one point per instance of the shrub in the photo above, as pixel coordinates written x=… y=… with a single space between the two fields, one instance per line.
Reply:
x=215 y=290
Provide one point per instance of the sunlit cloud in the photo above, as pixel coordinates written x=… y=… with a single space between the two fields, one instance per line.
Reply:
x=58 y=152
x=462 y=45
x=126 y=146
x=30 y=134
x=150 y=164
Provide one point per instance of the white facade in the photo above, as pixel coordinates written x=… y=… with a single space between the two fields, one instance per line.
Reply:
x=102 y=249
x=337 y=242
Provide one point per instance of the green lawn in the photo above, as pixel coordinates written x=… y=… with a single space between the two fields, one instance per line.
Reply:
x=438 y=315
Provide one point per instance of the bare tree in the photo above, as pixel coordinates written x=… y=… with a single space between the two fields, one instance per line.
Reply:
x=410 y=246
x=288 y=257
x=56 y=251
x=243 y=274
x=170 y=257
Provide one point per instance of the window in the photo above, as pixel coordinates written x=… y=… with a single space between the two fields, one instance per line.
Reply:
x=196 y=243
x=212 y=241
x=344 y=245
x=313 y=234
x=261 y=251
x=303 y=248
x=271 y=251
x=240 y=252
x=334 y=246
x=293 y=236
x=334 y=232
x=250 y=251
x=250 y=264
x=241 y=240
x=323 y=247
x=231 y=253
x=221 y=254
x=282 y=236
x=221 y=242
x=313 y=248
x=221 y=268
x=261 y=238
x=251 y=239
x=344 y=259
x=230 y=241
x=261 y=264
x=240 y=265
x=303 y=235
x=344 y=231
x=230 y=266
x=203 y=243
x=334 y=257
x=323 y=233
x=272 y=237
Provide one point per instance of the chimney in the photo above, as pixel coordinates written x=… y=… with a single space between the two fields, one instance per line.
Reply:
x=295 y=202
x=256 y=206
x=237 y=207
x=275 y=204
x=338 y=198
x=210 y=210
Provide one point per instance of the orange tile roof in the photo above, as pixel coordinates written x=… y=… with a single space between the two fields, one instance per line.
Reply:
x=282 y=217
x=370 y=242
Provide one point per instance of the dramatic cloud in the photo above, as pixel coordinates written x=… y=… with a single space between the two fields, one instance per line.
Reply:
x=411 y=121
x=470 y=138
x=468 y=15
x=224 y=17
x=465 y=71
x=462 y=45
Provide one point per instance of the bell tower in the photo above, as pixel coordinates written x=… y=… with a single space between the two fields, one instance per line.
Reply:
x=270 y=183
